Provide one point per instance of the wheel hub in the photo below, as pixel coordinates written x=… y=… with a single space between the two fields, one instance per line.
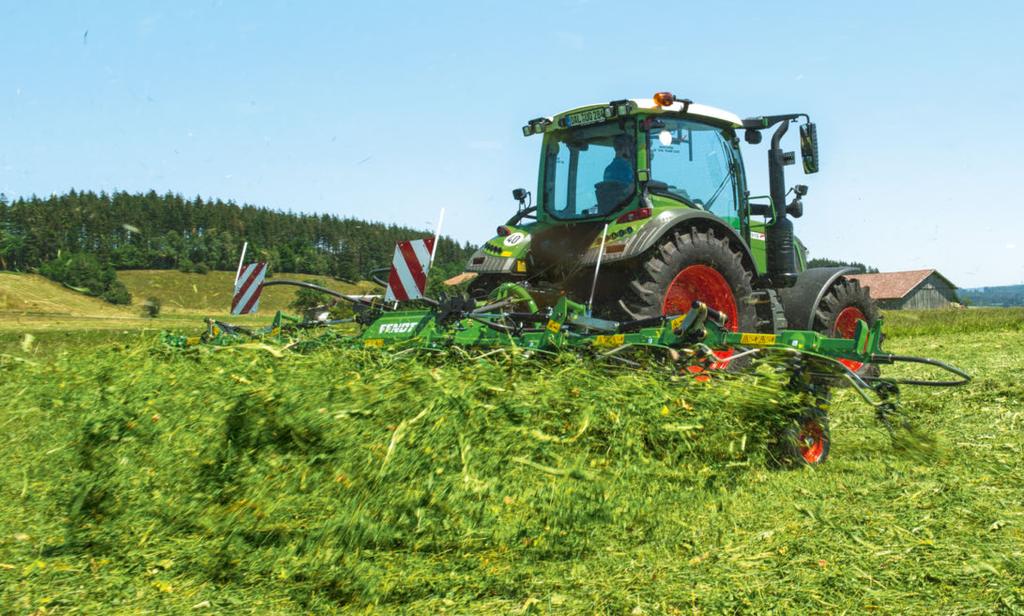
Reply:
x=705 y=284
x=844 y=327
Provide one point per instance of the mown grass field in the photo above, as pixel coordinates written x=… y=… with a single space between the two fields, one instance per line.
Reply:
x=136 y=479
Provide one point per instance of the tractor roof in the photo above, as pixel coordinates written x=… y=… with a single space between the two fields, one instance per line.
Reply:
x=600 y=112
x=647 y=105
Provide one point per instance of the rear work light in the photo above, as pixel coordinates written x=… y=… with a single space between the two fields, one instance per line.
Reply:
x=637 y=214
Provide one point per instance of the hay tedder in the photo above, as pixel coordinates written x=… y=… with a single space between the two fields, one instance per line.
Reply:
x=641 y=250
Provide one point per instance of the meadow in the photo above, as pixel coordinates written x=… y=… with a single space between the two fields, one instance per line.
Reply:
x=139 y=479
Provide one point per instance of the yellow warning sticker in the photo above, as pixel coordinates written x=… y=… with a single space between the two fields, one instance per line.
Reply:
x=758 y=339
x=554 y=326
x=676 y=322
x=373 y=342
x=609 y=341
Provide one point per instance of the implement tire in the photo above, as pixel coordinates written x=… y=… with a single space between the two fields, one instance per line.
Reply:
x=694 y=264
x=805 y=440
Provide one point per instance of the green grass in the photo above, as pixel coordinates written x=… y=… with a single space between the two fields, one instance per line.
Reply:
x=210 y=293
x=141 y=480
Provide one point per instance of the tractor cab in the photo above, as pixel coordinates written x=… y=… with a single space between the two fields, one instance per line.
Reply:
x=610 y=171
x=602 y=168
x=642 y=208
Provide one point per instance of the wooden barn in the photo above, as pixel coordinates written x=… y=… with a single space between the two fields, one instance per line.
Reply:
x=914 y=290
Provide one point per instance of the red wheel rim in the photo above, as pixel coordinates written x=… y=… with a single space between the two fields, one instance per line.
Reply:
x=844 y=327
x=702 y=283
x=812 y=441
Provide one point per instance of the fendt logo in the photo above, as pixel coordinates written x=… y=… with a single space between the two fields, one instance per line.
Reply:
x=397 y=328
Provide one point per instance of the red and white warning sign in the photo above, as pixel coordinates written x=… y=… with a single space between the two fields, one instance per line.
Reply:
x=408 y=278
x=248 y=287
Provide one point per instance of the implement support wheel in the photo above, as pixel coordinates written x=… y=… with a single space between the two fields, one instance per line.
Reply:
x=805 y=441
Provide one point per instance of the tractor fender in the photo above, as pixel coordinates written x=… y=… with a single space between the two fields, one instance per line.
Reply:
x=800 y=300
x=653 y=231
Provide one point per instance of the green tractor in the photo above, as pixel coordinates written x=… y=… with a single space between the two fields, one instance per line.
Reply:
x=643 y=207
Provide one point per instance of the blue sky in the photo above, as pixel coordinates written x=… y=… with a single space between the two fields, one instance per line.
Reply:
x=389 y=111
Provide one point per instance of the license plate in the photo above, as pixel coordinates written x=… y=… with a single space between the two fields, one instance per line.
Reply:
x=373 y=343
x=554 y=326
x=582 y=118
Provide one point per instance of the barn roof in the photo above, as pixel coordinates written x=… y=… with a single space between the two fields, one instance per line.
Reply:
x=895 y=285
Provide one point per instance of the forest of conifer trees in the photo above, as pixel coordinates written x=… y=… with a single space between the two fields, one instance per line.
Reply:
x=152 y=231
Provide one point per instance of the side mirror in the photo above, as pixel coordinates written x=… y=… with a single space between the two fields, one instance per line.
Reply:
x=809 y=147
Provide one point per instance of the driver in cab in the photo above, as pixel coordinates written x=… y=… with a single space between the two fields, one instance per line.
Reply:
x=621 y=168
x=618 y=176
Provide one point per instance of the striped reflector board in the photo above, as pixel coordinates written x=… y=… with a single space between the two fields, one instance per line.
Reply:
x=248 y=287
x=408 y=278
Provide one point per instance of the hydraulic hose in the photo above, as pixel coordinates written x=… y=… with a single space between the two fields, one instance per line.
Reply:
x=886 y=358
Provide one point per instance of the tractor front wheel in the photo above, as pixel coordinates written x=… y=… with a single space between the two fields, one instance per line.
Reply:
x=481 y=286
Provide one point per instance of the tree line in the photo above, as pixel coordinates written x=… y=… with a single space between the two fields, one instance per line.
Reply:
x=153 y=231
x=860 y=267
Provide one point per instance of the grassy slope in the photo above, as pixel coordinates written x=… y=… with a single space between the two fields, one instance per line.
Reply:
x=31 y=303
x=211 y=293
x=397 y=483
x=30 y=294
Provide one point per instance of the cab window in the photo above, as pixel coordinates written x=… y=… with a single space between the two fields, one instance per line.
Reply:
x=693 y=161
x=590 y=171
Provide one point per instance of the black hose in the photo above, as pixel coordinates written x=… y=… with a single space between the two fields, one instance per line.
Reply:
x=892 y=359
x=636 y=324
x=316 y=287
x=505 y=329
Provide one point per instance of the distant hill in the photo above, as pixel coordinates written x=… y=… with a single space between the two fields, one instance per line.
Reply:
x=1007 y=295
x=151 y=231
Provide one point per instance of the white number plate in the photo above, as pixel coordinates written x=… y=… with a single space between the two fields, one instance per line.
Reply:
x=582 y=118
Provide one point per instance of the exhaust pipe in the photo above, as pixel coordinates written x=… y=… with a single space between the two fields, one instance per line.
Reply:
x=779 y=248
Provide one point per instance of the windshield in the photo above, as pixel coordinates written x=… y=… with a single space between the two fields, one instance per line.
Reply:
x=590 y=171
x=692 y=161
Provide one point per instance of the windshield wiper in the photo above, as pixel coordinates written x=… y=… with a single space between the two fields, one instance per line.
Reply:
x=718 y=191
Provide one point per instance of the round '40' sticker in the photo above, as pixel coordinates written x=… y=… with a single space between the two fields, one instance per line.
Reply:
x=514 y=239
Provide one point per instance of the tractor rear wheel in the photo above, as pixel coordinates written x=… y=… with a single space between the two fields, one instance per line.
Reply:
x=837 y=314
x=693 y=264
